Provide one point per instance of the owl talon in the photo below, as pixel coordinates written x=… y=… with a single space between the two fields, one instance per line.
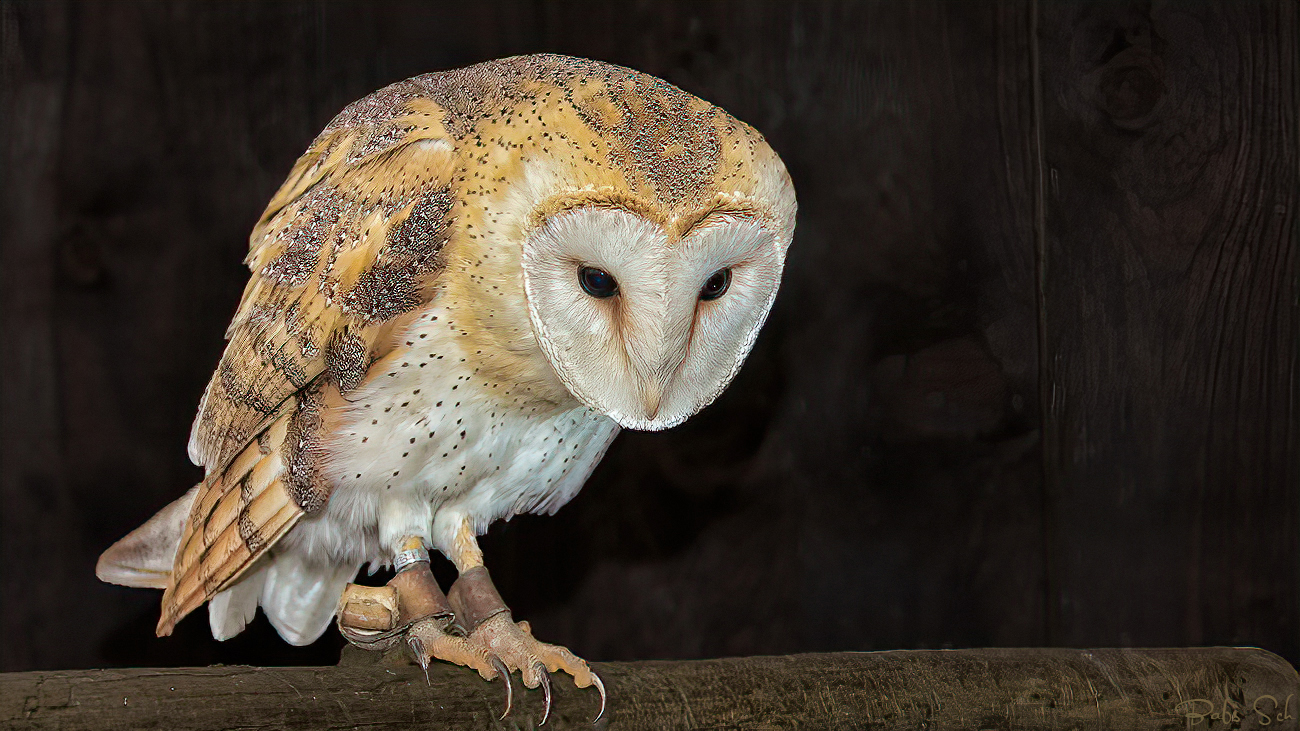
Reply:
x=504 y=674
x=544 y=679
x=488 y=625
x=421 y=658
x=600 y=686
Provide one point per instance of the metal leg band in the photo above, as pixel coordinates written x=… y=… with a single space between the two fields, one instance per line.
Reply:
x=408 y=558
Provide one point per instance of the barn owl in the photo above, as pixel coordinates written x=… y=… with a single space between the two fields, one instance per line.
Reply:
x=469 y=283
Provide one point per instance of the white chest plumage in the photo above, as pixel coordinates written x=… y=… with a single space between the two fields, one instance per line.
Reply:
x=428 y=442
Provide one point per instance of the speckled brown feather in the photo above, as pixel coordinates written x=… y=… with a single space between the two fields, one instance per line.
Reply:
x=348 y=245
x=405 y=194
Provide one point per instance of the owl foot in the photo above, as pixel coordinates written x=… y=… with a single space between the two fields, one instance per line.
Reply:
x=413 y=609
x=429 y=639
x=488 y=625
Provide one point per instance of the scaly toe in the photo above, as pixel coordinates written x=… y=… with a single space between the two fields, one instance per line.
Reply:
x=428 y=641
x=514 y=644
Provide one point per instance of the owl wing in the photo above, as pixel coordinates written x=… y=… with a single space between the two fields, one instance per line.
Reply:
x=349 y=245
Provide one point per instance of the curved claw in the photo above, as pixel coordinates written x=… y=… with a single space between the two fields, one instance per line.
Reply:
x=544 y=679
x=504 y=674
x=417 y=648
x=600 y=686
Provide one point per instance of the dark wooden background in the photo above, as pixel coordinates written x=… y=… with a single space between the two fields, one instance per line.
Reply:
x=1032 y=378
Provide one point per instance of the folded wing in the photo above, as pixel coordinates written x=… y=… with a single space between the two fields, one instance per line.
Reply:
x=347 y=248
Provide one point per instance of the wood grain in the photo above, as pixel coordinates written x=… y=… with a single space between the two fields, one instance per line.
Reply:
x=1172 y=337
x=956 y=689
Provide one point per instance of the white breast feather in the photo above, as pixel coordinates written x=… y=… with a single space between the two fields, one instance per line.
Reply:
x=429 y=442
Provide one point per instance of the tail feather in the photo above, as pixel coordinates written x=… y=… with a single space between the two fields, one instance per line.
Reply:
x=223 y=562
x=144 y=558
x=300 y=598
x=230 y=611
x=215 y=544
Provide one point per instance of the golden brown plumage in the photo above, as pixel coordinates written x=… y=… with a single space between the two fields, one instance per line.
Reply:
x=417 y=196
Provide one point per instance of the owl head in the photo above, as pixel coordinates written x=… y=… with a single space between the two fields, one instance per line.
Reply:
x=650 y=227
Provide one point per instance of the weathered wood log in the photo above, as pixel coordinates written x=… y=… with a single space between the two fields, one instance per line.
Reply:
x=1208 y=688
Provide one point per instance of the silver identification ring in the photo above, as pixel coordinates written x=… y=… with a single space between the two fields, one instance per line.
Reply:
x=405 y=559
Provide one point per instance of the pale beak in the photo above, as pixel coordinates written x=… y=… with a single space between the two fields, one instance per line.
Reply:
x=651 y=396
x=657 y=355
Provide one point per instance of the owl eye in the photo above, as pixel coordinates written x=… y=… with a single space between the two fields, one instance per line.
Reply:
x=597 y=282
x=716 y=285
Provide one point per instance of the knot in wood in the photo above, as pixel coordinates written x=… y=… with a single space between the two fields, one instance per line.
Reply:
x=1128 y=88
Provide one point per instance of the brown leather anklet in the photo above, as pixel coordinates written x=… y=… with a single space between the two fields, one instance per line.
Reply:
x=474 y=599
x=418 y=594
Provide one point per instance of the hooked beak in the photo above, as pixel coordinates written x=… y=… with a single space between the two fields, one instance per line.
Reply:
x=656 y=383
x=656 y=351
x=651 y=396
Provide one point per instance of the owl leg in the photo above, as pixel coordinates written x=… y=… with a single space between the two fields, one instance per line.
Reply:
x=487 y=623
x=413 y=609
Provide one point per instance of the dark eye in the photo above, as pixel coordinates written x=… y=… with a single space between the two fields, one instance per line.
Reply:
x=597 y=282
x=716 y=285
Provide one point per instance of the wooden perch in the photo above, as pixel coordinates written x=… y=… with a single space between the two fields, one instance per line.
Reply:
x=1209 y=688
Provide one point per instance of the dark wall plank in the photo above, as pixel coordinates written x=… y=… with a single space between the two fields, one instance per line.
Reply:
x=891 y=399
x=874 y=478
x=1173 y=337
x=29 y=398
